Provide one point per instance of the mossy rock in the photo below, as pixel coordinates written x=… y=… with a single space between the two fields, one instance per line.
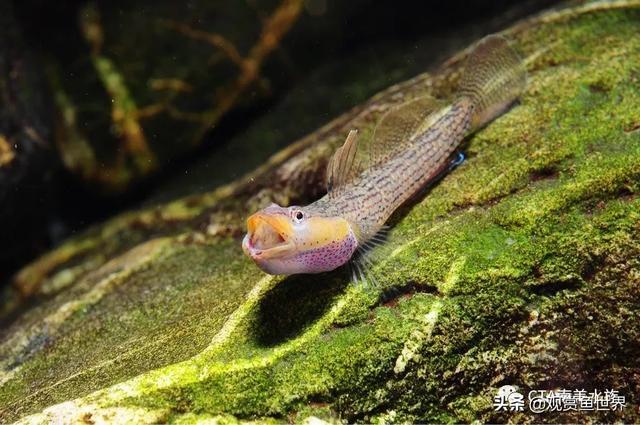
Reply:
x=521 y=267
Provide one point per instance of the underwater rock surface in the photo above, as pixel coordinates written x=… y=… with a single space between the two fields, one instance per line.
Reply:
x=521 y=267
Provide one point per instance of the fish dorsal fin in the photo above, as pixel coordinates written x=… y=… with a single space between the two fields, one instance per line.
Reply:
x=494 y=77
x=398 y=127
x=342 y=165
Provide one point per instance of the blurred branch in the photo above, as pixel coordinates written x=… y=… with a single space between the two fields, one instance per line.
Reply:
x=172 y=84
x=76 y=151
x=216 y=40
x=133 y=157
x=274 y=28
x=123 y=110
x=6 y=151
x=74 y=148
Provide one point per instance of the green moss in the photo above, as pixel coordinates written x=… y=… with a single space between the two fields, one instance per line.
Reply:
x=519 y=268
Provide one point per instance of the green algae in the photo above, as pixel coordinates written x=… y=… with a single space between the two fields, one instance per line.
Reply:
x=129 y=314
x=519 y=268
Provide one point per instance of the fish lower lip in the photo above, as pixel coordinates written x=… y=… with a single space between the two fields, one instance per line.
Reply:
x=267 y=253
x=263 y=253
x=267 y=240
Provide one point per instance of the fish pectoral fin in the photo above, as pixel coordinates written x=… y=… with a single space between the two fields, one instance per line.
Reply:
x=398 y=127
x=342 y=167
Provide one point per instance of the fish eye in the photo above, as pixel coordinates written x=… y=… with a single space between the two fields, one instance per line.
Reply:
x=298 y=216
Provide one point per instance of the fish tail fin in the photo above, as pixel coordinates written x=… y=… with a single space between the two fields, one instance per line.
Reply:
x=494 y=77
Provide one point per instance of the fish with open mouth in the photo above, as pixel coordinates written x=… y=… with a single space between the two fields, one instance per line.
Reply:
x=412 y=145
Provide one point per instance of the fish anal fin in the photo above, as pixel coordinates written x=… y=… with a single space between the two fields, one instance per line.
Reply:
x=342 y=165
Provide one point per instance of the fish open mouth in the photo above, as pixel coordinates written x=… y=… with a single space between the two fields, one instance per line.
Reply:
x=267 y=235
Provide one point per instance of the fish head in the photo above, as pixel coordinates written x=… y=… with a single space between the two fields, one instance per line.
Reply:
x=291 y=240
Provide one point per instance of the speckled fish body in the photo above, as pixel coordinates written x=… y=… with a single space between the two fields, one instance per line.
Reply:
x=374 y=195
x=412 y=145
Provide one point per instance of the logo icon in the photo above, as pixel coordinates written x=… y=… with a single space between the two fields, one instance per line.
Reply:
x=508 y=399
